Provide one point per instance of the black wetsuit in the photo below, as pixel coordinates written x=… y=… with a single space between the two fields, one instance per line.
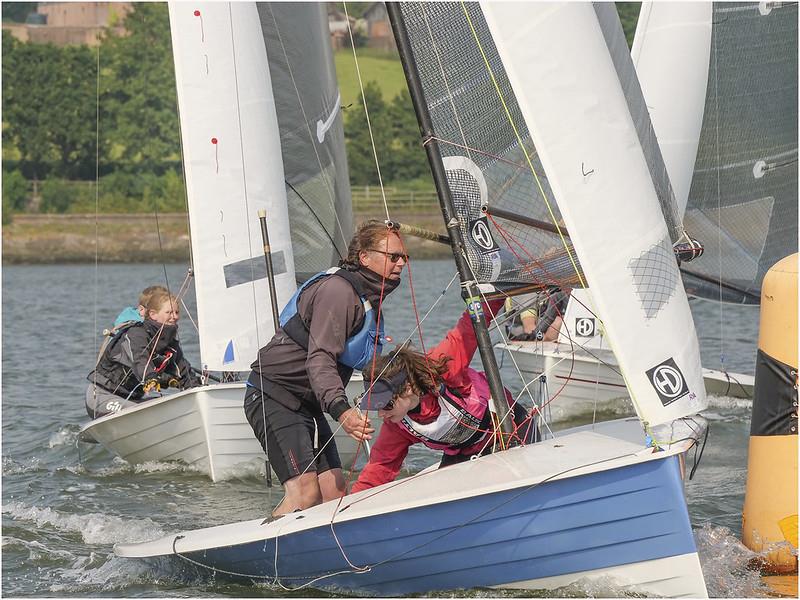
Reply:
x=130 y=360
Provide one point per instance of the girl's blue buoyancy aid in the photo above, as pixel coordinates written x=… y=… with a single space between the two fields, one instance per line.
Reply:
x=361 y=346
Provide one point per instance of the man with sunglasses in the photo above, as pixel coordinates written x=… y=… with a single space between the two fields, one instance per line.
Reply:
x=436 y=400
x=328 y=329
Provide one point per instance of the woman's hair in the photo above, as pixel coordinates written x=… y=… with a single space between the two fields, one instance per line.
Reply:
x=157 y=299
x=147 y=292
x=369 y=235
x=425 y=374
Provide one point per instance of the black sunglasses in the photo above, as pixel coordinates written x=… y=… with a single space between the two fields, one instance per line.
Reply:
x=393 y=256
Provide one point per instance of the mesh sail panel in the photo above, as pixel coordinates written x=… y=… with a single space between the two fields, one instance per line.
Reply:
x=312 y=137
x=484 y=161
x=743 y=198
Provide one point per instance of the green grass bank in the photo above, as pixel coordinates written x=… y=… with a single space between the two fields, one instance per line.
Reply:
x=135 y=238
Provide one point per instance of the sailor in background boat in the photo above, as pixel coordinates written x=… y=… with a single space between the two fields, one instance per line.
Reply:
x=136 y=313
x=521 y=313
x=328 y=328
x=544 y=322
x=140 y=359
x=436 y=400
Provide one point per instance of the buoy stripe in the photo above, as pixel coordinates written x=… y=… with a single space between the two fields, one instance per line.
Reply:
x=775 y=400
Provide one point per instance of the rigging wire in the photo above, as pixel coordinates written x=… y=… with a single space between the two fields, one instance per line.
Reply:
x=96 y=222
x=366 y=111
x=719 y=200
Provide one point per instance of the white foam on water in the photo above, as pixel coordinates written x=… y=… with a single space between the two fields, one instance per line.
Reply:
x=107 y=573
x=66 y=436
x=37 y=552
x=253 y=469
x=730 y=403
x=724 y=560
x=94 y=528
x=12 y=467
x=120 y=466
x=153 y=466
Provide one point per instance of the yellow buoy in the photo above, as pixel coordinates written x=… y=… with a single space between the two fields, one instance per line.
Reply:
x=769 y=517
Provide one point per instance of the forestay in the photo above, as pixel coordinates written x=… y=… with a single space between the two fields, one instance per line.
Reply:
x=231 y=155
x=557 y=57
x=742 y=203
x=307 y=102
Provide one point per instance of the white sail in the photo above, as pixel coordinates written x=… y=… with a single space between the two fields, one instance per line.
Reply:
x=670 y=52
x=570 y=94
x=233 y=168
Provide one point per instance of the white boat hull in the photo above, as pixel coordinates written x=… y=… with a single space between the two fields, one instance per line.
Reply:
x=585 y=381
x=593 y=502
x=204 y=427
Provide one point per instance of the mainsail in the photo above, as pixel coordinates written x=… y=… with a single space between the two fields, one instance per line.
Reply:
x=307 y=102
x=485 y=156
x=570 y=85
x=261 y=128
x=232 y=166
x=742 y=203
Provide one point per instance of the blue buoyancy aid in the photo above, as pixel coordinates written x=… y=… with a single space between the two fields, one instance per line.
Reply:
x=361 y=346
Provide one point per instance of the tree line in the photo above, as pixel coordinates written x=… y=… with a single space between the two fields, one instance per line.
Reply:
x=63 y=125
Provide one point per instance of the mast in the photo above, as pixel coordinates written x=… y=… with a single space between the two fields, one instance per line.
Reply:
x=469 y=286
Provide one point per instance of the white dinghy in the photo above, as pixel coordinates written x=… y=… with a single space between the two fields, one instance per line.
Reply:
x=604 y=500
x=582 y=373
x=251 y=106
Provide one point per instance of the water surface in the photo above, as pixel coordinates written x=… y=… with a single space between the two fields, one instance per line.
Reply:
x=65 y=504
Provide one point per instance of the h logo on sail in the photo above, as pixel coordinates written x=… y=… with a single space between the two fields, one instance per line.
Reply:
x=584 y=327
x=668 y=381
x=479 y=230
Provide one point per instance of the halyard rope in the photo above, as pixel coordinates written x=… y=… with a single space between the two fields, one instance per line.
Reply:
x=366 y=111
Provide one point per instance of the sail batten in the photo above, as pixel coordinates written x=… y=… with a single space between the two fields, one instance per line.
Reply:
x=569 y=90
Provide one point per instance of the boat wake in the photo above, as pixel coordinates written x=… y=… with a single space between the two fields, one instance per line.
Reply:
x=94 y=528
x=12 y=467
x=66 y=436
x=119 y=466
x=731 y=405
x=725 y=564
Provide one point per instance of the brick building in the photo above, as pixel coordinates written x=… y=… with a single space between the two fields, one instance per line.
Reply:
x=66 y=23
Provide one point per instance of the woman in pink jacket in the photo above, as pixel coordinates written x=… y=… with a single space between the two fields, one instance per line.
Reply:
x=436 y=400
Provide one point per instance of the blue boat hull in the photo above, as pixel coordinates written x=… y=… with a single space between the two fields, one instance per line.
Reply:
x=600 y=520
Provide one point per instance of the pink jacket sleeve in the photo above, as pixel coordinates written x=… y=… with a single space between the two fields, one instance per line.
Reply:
x=460 y=345
x=385 y=458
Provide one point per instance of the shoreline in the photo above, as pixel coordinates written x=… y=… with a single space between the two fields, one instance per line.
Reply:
x=141 y=238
